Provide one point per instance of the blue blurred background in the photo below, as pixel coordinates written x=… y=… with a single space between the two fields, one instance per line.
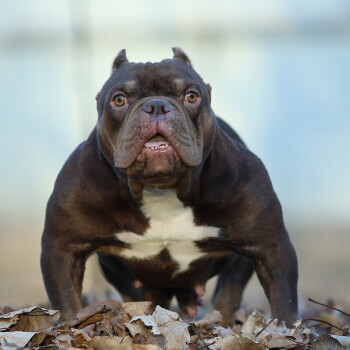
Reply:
x=280 y=73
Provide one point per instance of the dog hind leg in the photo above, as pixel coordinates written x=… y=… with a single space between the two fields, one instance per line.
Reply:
x=119 y=274
x=229 y=289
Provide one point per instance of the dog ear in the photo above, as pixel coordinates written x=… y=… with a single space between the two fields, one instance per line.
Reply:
x=179 y=55
x=119 y=60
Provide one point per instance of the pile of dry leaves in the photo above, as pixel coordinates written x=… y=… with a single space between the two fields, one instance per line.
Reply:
x=123 y=326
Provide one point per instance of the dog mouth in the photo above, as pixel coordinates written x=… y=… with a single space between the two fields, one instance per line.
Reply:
x=157 y=143
x=158 y=156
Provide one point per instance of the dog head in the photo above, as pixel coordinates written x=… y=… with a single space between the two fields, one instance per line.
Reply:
x=155 y=121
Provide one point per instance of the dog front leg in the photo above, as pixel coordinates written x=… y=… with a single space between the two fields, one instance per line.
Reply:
x=276 y=267
x=63 y=271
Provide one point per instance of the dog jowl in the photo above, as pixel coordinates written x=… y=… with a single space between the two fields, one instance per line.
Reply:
x=167 y=195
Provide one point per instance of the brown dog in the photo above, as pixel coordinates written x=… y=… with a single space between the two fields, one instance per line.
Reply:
x=167 y=194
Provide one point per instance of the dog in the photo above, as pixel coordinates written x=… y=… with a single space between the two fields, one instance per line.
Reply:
x=168 y=196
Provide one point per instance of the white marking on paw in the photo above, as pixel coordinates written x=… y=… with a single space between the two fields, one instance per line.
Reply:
x=172 y=227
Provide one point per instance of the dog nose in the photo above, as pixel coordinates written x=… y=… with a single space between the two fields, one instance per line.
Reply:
x=157 y=107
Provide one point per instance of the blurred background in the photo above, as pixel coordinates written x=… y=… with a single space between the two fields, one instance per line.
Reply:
x=280 y=73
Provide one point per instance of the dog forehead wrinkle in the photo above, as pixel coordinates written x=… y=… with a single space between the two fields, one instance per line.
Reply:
x=179 y=84
x=130 y=85
x=164 y=77
x=171 y=227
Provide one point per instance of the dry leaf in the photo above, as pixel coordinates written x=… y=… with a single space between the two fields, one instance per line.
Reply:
x=148 y=321
x=175 y=330
x=138 y=308
x=139 y=339
x=162 y=322
x=272 y=330
x=255 y=320
x=89 y=330
x=344 y=341
x=145 y=347
x=300 y=333
x=31 y=319
x=176 y=335
x=89 y=321
x=21 y=339
x=138 y=325
x=221 y=331
x=233 y=342
x=280 y=342
x=79 y=338
x=326 y=342
x=208 y=319
x=109 y=326
x=64 y=340
x=93 y=313
x=110 y=343
x=163 y=316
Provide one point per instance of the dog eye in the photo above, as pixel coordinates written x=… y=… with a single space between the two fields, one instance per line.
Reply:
x=119 y=100
x=191 y=97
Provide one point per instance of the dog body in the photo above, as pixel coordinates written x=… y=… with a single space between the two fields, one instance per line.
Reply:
x=168 y=195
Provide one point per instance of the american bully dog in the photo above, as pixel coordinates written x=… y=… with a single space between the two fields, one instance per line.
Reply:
x=168 y=196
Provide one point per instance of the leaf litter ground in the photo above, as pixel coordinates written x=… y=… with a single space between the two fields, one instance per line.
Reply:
x=113 y=325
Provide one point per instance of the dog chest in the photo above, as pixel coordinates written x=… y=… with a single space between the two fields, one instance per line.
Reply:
x=171 y=227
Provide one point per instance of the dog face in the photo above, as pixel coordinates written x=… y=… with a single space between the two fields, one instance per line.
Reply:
x=155 y=121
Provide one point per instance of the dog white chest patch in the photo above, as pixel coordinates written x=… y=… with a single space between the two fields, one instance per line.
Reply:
x=171 y=227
